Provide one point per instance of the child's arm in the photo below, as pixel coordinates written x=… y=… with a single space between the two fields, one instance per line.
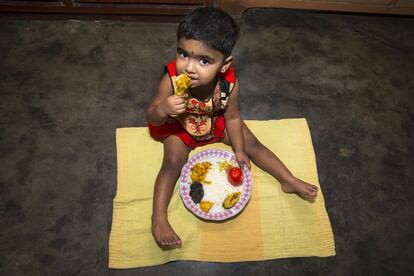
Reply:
x=234 y=127
x=165 y=103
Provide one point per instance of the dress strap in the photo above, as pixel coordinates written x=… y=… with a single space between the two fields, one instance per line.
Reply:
x=170 y=69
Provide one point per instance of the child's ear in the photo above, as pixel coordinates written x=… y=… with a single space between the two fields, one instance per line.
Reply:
x=227 y=63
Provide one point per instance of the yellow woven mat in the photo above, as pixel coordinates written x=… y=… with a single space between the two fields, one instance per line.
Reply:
x=273 y=225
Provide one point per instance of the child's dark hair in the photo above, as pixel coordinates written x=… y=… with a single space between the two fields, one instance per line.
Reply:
x=212 y=26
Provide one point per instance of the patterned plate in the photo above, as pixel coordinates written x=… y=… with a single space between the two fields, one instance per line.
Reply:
x=185 y=182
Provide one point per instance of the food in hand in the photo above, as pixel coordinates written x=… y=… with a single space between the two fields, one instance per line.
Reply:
x=231 y=200
x=199 y=172
x=206 y=206
x=235 y=176
x=182 y=83
x=196 y=192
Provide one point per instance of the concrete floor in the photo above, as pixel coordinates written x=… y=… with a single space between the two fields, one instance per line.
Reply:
x=67 y=85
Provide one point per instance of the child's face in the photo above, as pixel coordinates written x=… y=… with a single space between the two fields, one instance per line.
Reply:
x=200 y=62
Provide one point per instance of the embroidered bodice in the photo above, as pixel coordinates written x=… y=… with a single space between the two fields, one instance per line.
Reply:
x=199 y=118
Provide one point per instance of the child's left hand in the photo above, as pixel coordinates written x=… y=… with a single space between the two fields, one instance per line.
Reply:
x=242 y=159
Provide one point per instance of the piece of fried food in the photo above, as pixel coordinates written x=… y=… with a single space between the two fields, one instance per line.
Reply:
x=183 y=83
x=199 y=172
x=231 y=200
x=206 y=206
x=224 y=166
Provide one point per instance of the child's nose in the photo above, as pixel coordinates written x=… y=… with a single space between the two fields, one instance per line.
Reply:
x=190 y=67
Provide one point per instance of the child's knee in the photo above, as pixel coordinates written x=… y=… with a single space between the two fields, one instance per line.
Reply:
x=174 y=162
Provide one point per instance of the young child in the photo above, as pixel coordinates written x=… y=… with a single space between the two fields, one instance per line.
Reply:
x=208 y=113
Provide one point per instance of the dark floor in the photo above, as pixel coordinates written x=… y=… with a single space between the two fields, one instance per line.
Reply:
x=67 y=85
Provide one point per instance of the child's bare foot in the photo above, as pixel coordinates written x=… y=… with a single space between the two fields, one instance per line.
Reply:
x=300 y=188
x=163 y=233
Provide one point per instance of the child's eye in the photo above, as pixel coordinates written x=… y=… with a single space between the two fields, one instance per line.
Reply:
x=204 y=61
x=182 y=54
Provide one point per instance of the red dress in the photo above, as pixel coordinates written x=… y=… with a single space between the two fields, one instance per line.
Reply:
x=203 y=122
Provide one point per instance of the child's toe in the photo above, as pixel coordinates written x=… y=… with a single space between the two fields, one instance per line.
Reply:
x=160 y=241
x=171 y=240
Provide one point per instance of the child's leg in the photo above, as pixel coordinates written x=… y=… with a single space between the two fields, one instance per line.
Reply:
x=175 y=156
x=269 y=162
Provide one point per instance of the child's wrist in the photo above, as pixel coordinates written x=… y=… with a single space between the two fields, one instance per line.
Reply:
x=159 y=217
x=238 y=151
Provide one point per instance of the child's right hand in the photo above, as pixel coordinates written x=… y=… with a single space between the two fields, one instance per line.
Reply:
x=174 y=105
